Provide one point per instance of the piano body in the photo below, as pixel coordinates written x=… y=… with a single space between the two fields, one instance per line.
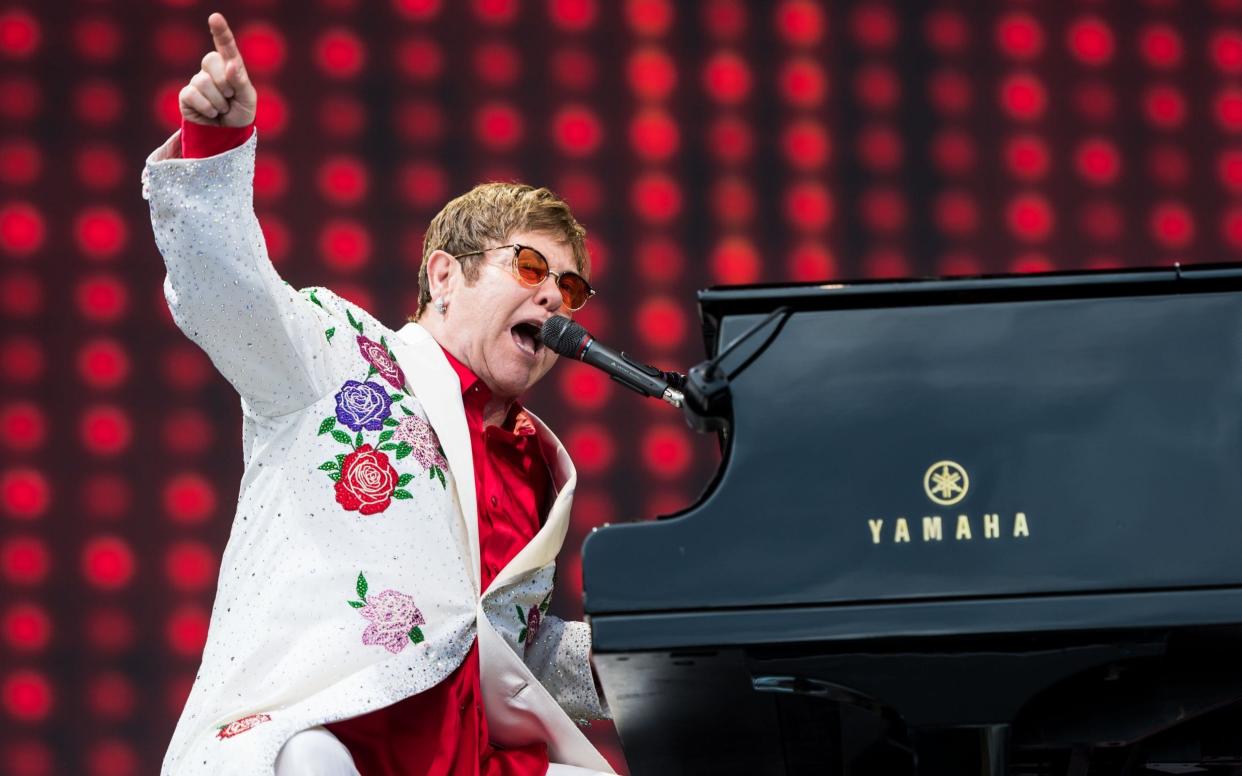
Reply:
x=988 y=525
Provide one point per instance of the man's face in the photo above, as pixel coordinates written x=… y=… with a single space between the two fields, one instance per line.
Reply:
x=492 y=323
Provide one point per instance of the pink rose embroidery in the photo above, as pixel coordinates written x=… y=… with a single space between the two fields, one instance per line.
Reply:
x=241 y=725
x=417 y=433
x=394 y=619
x=382 y=361
x=367 y=481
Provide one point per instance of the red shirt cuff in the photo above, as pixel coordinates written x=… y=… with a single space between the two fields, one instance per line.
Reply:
x=200 y=140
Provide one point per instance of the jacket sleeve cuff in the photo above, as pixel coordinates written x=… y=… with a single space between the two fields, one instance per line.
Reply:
x=199 y=140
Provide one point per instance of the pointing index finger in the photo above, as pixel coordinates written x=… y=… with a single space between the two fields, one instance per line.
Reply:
x=226 y=44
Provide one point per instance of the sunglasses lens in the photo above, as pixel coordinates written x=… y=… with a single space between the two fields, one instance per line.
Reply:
x=575 y=291
x=531 y=267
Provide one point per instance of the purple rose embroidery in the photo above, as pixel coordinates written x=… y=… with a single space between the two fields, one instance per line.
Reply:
x=362 y=405
x=533 y=619
x=417 y=433
x=394 y=621
x=377 y=356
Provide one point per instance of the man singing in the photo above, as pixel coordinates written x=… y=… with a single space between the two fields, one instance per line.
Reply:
x=381 y=608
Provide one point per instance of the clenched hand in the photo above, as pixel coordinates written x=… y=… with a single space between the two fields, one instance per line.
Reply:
x=220 y=95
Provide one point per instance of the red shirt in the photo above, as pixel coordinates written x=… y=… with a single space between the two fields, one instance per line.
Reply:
x=443 y=731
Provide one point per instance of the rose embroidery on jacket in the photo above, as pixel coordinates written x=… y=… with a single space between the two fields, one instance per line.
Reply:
x=241 y=725
x=363 y=405
x=382 y=362
x=416 y=435
x=367 y=481
x=393 y=617
x=531 y=619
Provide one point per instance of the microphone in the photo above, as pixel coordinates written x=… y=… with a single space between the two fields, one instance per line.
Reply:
x=569 y=338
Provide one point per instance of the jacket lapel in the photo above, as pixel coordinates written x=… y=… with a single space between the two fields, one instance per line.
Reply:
x=432 y=380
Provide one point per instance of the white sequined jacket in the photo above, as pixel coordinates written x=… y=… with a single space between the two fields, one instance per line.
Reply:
x=350 y=579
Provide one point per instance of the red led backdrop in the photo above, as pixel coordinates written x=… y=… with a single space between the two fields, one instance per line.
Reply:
x=702 y=143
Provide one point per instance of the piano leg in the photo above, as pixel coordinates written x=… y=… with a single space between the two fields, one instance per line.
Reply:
x=995 y=744
x=963 y=751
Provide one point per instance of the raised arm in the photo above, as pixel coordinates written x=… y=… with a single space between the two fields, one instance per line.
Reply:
x=263 y=336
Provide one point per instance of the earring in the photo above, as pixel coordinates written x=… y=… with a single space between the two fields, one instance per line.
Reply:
x=441 y=305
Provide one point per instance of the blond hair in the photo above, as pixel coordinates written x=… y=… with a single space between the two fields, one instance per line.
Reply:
x=489 y=214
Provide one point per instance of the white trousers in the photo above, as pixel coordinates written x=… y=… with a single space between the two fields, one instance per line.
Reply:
x=316 y=752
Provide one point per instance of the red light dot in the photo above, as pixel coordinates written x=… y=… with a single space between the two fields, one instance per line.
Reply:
x=809 y=206
x=886 y=263
x=1096 y=101
x=24 y=493
x=419 y=58
x=660 y=259
x=19 y=34
x=577 y=131
x=651 y=73
x=419 y=10
x=1229 y=169
x=800 y=22
x=99 y=167
x=733 y=201
x=271 y=177
x=880 y=148
x=572 y=15
x=661 y=322
x=1102 y=221
x=666 y=453
x=591 y=447
x=276 y=236
x=1231 y=226
x=108 y=562
x=105 y=430
x=20 y=98
x=1168 y=165
x=1229 y=109
x=802 y=83
x=187 y=431
x=341 y=116
x=109 y=630
x=177 y=43
x=185 y=367
x=340 y=53
x=22 y=426
x=1090 y=40
x=573 y=68
x=498 y=126
x=1161 y=46
x=1029 y=263
x=189 y=498
x=103 y=363
x=947 y=31
x=735 y=261
x=1164 y=106
x=28 y=758
x=419 y=121
x=26 y=627
x=497 y=63
x=884 y=209
x=98 y=102
x=101 y=298
x=21 y=360
x=186 y=630
x=1023 y=96
x=345 y=245
x=730 y=139
x=100 y=232
x=21 y=295
x=584 y=387
x=496 y=12
x=950 y=92
x=343 y=180
x=1172 y=225
x=582 y=191
x=105 y=496
x=956 y=213
x=111 y=695
x=264 y=46
x=1020 y=36
x=811 y=261
x=24 y=560
x=726 y=76
x=27 y=695
x=423 y=184
x=21 y=229
x=725 y=18
x=98 y=39
x=190 y=566
x=654 y=135
x=806 y=145
x=874 y=26
x=1226 y=48
x=656 y=197
x=274 y=116
x=877 y=87
x=1098 y=161
x=649 y=17
x=1030 y=217
x=20 y=162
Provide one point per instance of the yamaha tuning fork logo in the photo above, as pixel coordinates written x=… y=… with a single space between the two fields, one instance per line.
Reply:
x=946 y=483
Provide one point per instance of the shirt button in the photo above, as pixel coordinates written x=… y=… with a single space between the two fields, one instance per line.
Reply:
x=493 y=501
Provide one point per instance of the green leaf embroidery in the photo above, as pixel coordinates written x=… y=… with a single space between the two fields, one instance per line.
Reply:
x=388 y=446
x=340 y=459
x=329 y=466
x=352 y=320
x=431 y=473
x=406 y=411
x=370 y=372
x=440 y=474
x=384 y=437
x=543 y=607
x=327 y=425
x=521 y=616
x=342 y=437
x=361 y=586
x=356 y=604
x=336 y=476
x=396 y=396
x=384 y=341
x=329 y=333
x=390 y=422
x=358 y=440
x=404 y=479
x=399 y=493
x=416 y=635
x=522 y=637
x=403 y=450
x=315 y=299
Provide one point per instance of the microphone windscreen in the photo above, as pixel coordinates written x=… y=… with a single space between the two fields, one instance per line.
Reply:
x=563 y=335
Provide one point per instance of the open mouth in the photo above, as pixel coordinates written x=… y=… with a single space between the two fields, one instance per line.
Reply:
x=526 y=337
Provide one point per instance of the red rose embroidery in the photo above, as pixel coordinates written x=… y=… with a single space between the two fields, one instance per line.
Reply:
x=242 y=725
x=367 y=481
x=533 y=620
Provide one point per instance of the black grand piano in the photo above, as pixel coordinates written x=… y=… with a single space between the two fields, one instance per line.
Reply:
x=979 y=526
